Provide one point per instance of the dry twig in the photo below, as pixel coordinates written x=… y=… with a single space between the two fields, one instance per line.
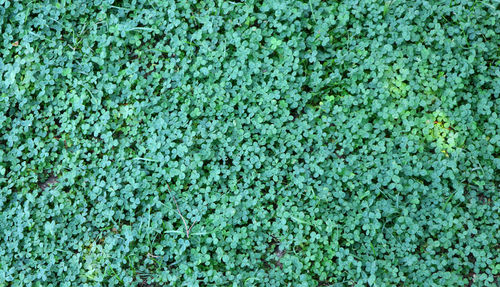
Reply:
x=179 y=212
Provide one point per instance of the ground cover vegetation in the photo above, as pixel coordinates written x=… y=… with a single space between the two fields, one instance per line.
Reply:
x=249 y=143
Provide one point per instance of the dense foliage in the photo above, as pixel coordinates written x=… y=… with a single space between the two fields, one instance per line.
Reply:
x=347 y=143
